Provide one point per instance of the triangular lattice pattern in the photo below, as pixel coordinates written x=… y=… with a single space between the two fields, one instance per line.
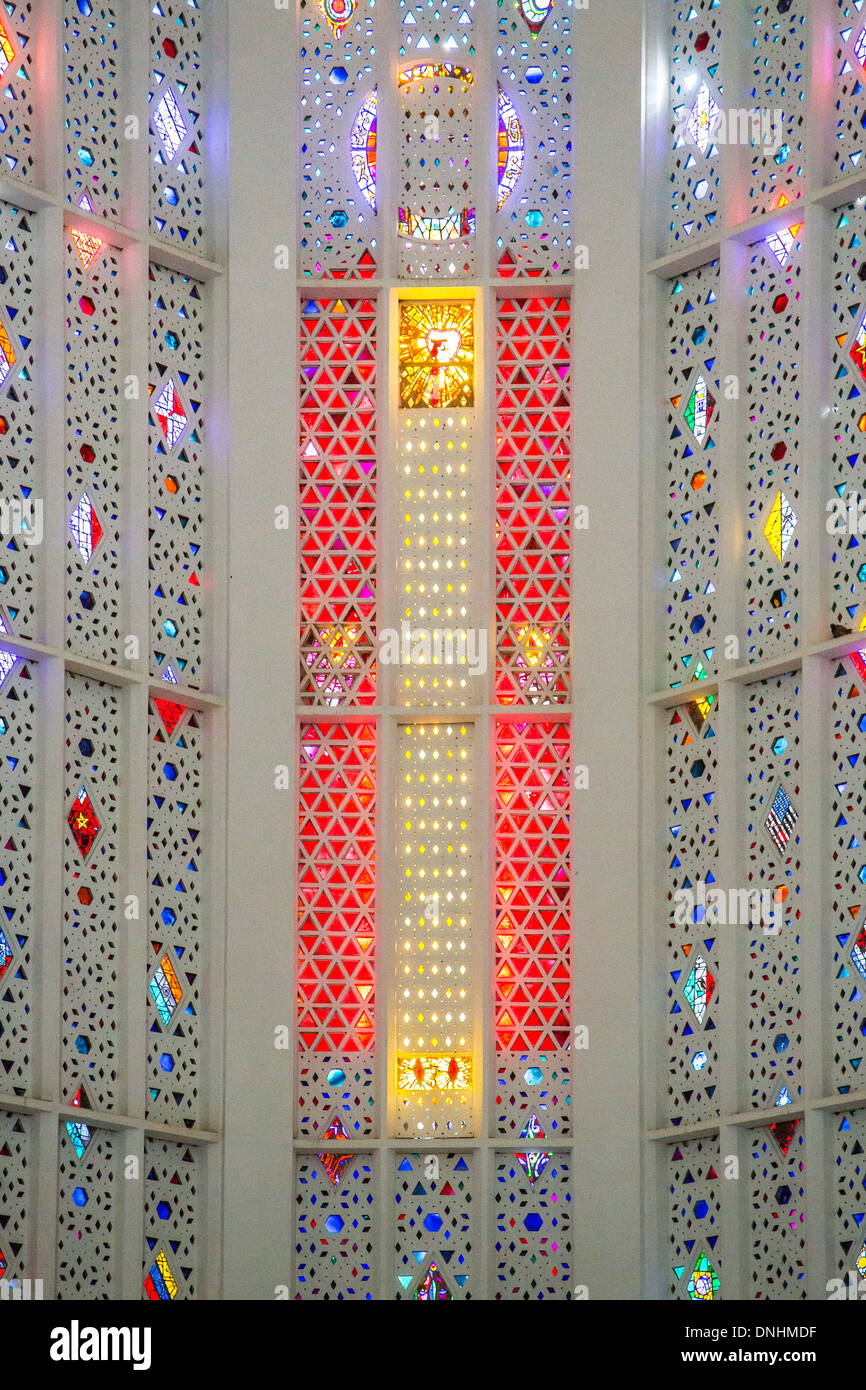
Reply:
x=533 y=885
x=336 y=887
x=337 y=501
x=533 y=500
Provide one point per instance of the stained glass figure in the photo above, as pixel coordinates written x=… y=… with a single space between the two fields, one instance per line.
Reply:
x=534 y=12
x=780 y=525
x=5 y=954
x=85 y=527
x=449 y=227
x=703 y=117
x=704 y=1283
x=338 y=13
x=436 y=353
x=432 y=1287
x=699 y=988
x=170 y=124
x=699 y=409
x=170 y=414
x=84 y=823
x=335 y=1164
x=511 y=150
x=533 y=1164
x=362 y=148
x=781 y=819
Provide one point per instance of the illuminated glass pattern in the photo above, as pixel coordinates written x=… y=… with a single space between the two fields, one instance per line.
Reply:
x=436 y=353
x=87 y=245
x=170 y=124
x=7 y=354
x=84 y=823
x=85 y=527
x=170 y=414
x=511 y=150
x=165 y=990
x=535 y=12
x=780 y=525
x=160 y=1284
x=362 y=146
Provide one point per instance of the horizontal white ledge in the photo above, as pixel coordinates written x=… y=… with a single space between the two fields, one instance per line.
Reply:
x=758 y=1119
x=110 y=675
x=830 y=650
x=105 y=1119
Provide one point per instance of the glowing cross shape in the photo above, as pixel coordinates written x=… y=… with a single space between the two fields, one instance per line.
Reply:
x=170 y=413
x=780 y=526
x=7 y=52
x=83 y=822
x=7 y=354
x=87 y=246
x=85 y=527
x=704 y=1283
x=703 y=116
x=699 y=988
x=170 y=124
x=338 y=13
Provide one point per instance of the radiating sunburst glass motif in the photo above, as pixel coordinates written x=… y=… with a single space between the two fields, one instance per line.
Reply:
x=436 y=353
x=338 y=13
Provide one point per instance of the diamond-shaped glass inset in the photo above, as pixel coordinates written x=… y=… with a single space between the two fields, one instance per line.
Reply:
x=702 y=118
x=84 y=823
x=335 y=1164
x=86 y=527
x=165 y=990
x=780 y=525
x=160 y=1284
x=781 y=820
x=699 y=409
x=170 y=414
x=699 y=988
x=7 y=354
x=171 y=124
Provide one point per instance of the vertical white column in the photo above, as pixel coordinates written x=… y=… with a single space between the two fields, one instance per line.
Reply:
x=607 y=665
x=262 y=374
